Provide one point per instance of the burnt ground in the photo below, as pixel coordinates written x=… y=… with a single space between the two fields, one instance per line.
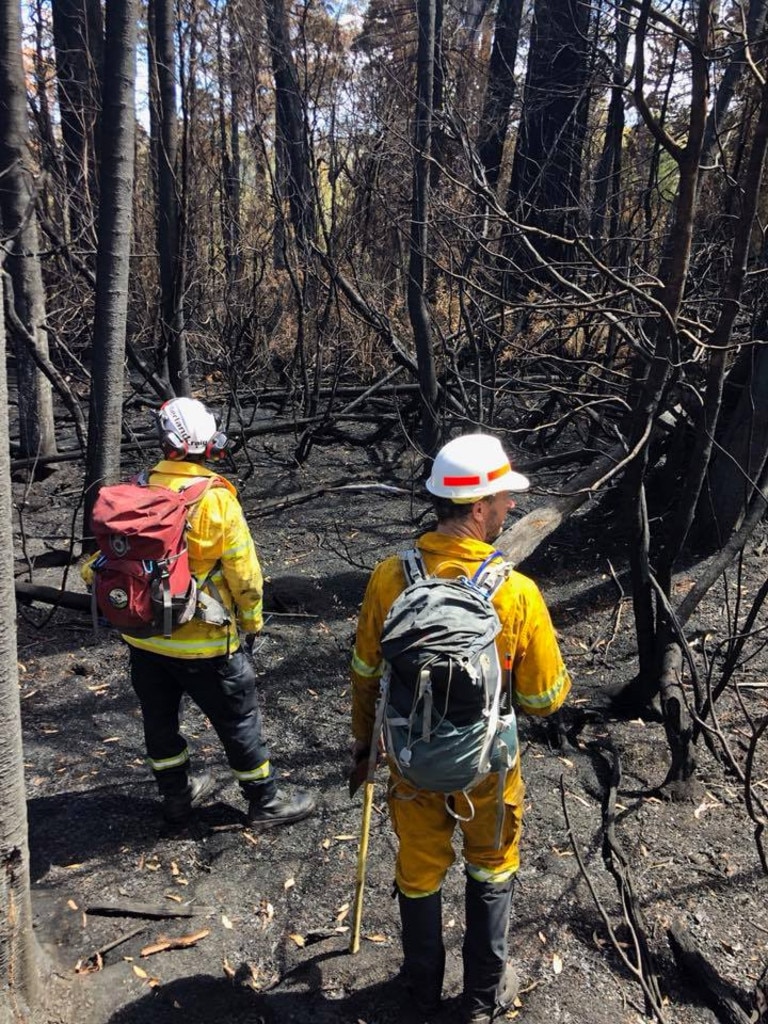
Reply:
x=273 y=909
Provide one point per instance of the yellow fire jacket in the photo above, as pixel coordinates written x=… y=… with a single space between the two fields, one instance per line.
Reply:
x=540 y=679
x=221 y=550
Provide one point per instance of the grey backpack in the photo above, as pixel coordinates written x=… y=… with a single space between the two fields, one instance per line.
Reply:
x=442 y=686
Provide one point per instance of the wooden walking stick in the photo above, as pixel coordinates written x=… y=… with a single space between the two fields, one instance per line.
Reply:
x=365 y=771
x=362 y=860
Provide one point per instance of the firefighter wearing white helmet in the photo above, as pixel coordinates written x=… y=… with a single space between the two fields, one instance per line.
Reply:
x=471 y=467
x=187 y=427
x=471 y=483
x=204 y=657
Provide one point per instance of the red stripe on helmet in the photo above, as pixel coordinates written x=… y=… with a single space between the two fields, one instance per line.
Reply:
x=461 y=481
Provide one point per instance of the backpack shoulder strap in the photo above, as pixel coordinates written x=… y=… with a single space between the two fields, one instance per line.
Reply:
x=491 y=573
x=193 y=491
x=413 y=565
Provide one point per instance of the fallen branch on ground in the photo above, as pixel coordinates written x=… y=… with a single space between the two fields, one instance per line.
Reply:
x=95 y=961
x=164 y=943
x=132 y=908
x=642 y=969
x=28 y=592
x=722 y=997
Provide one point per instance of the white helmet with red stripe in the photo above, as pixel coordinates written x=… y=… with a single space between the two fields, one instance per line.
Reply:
x=472 y=467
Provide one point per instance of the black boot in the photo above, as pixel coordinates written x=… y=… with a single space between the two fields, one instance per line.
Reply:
x=423 y=950
x=268 y=805
x=179 y=803
x=489 y=986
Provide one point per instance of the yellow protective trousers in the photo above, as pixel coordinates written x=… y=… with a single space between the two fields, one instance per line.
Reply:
x=424 y=827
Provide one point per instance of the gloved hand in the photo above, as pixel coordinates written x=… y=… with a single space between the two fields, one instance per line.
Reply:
x=248 y=641
x=358 y=765
x=360 y=752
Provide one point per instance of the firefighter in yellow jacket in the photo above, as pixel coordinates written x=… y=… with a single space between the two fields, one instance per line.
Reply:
x=472 y=484
x=205 y=659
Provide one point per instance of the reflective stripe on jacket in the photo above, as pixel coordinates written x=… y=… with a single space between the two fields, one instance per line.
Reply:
x=539 y=677
x=220 y=544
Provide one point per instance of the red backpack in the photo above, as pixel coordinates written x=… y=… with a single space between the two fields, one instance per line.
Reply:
x=142 y=584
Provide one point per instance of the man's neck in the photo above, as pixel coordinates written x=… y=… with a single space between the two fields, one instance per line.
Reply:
x=460 y=528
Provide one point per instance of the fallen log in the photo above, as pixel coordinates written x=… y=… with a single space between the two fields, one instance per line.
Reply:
x=517 y=543
x=524 y=536
x=133 y=908
x=722 y=997
x=28 y=592
x=148 y=442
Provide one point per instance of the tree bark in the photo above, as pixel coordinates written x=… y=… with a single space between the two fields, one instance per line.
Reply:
x=78 y=33
x=419 y=242
x=545 y=189
x=19 y=225
x=291 y=133
x=114 y=250
x=164 y=130
x=741 y=453
x=524 y=536
x=608 y=173
x=499 y=90
x=229 y=131
x=19 y=967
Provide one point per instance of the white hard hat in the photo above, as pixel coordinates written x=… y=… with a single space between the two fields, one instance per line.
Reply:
x=186 y=426
x=472 y=467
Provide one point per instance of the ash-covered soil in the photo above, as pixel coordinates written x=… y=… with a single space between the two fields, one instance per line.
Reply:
x=272 y=911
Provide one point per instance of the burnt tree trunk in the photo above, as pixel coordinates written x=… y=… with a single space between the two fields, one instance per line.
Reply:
x=78 y=33
x=19 y=966
x=290 y=127
x=499 y=90
x=418 y=310
x=164 y=130
x=545 y=185
x=19 y=226
x=114 y=251
x=606 y=204
x=741 y=453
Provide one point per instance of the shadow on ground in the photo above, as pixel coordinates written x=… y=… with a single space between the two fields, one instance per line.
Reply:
x=306 y=995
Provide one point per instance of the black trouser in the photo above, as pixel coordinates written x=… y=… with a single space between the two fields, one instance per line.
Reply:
x=224 y=689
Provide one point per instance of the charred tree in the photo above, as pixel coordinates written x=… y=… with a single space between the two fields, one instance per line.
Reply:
x=18 y=220
x=230 y=87
x=545 y=186
x=19 y=965
x=418 y=309
x=606 y=205
x=499 y=90
x=78 y=32
x=114 y=251
x=164 y=132
x=292 y=144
